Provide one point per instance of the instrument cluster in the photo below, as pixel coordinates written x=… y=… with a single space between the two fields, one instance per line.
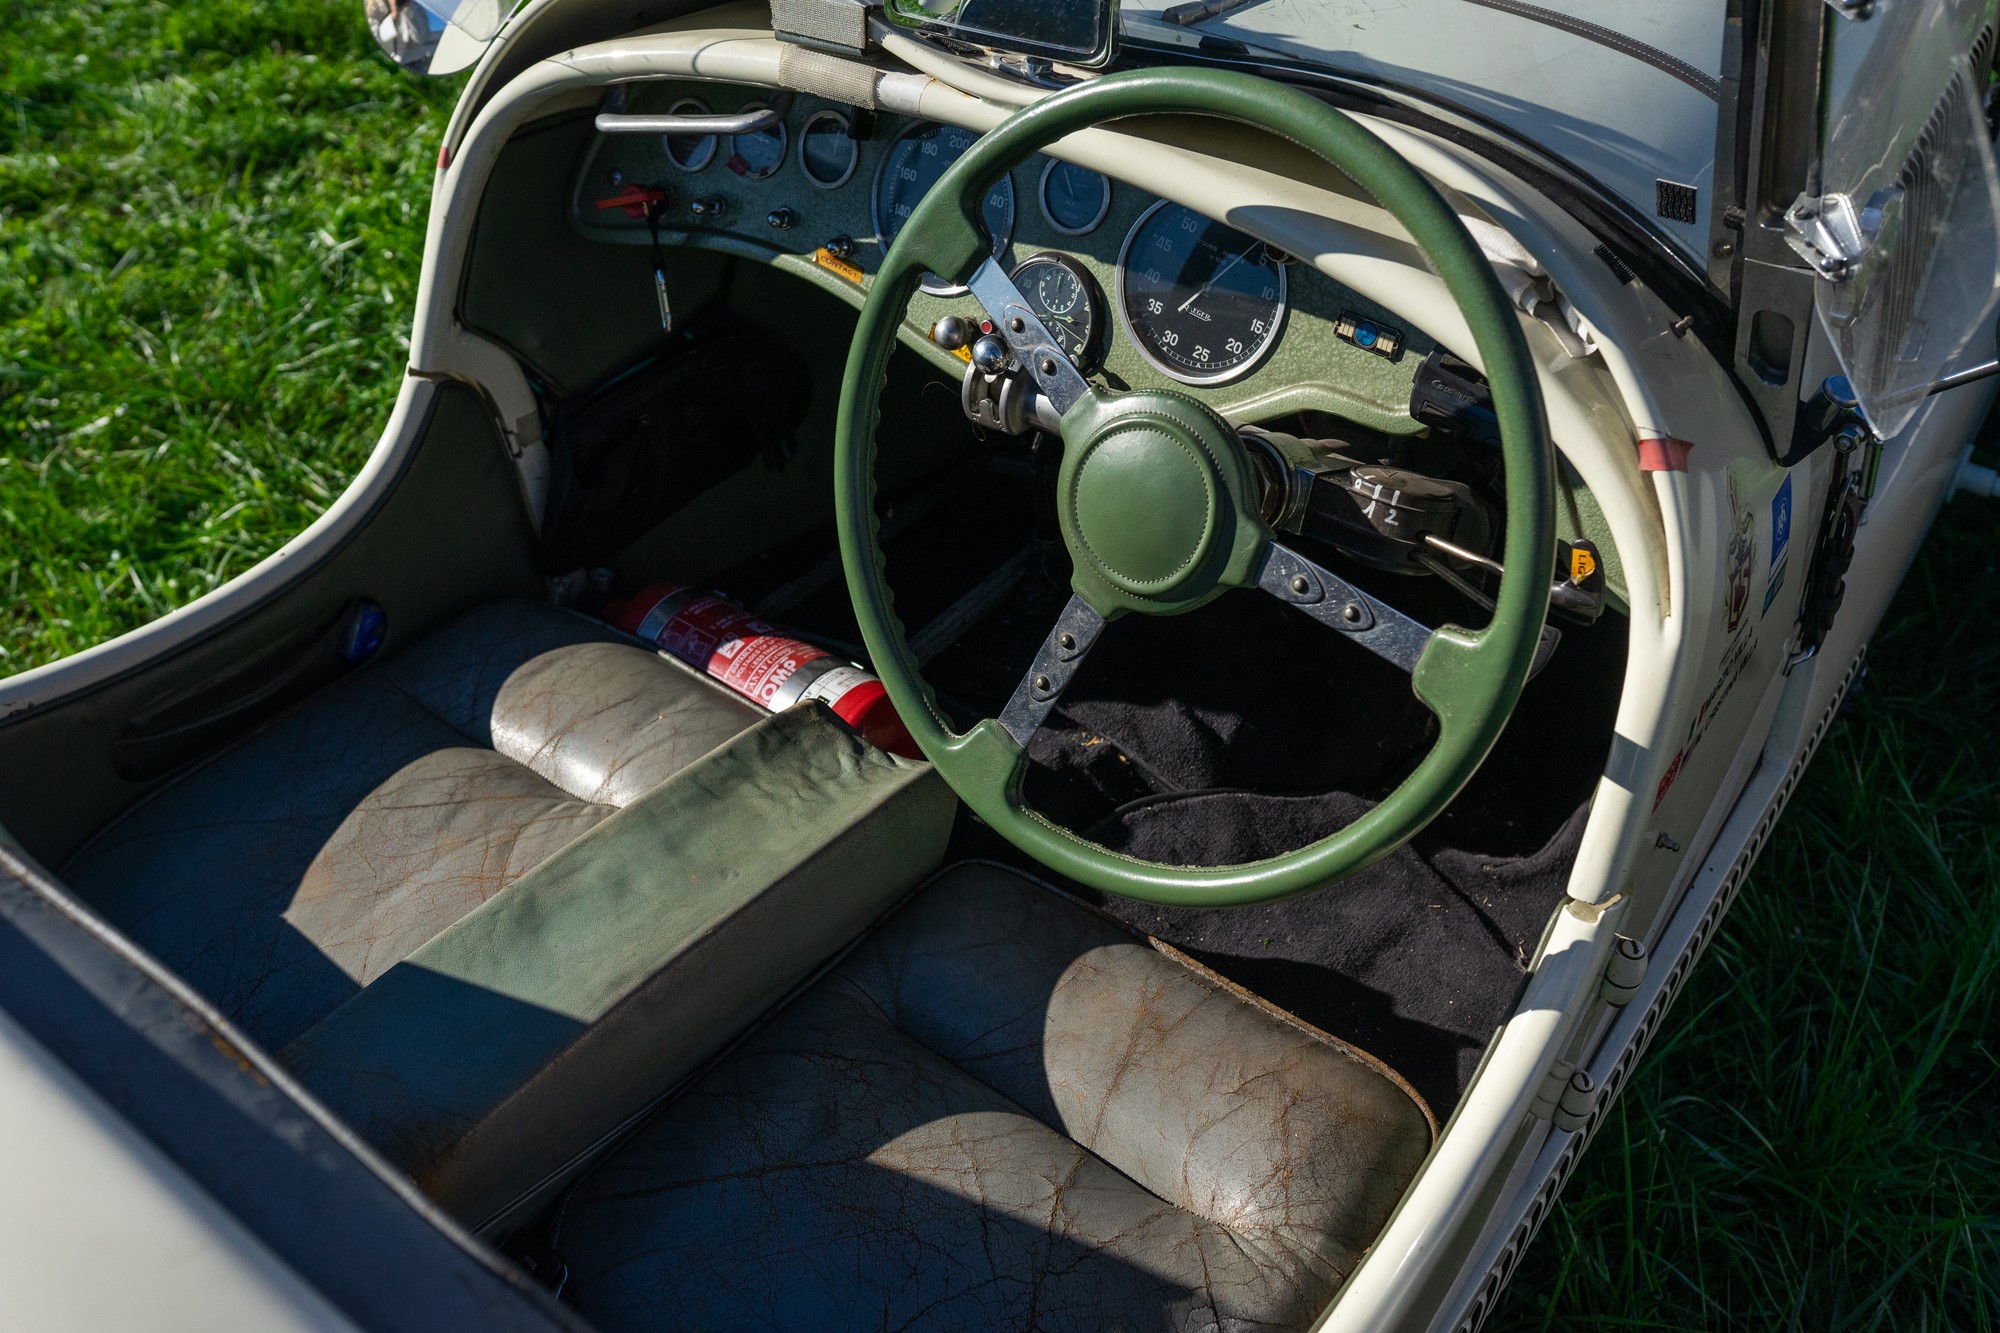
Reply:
x=1134 y=287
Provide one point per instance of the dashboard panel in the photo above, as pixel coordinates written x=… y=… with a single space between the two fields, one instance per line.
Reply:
x=1143 y=293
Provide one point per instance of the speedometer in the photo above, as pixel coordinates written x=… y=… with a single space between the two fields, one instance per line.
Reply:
x=1202 y=301
x=912 y=165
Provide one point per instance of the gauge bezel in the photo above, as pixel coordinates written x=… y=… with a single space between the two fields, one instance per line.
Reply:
x=1093 y=295
x=930 y=284
x=1173 y=372
x=1049 y=214
x=847 y=133
x=691 y=106
x=784 y=141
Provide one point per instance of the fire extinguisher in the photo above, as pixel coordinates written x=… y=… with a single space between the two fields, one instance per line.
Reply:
x=713 y=634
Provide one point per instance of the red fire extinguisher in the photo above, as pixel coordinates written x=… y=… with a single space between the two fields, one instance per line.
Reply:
x=713 y=634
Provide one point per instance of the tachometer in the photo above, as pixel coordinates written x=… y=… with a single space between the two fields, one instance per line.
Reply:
x=1069 y=303
x=1203 y=301
x=912 y=165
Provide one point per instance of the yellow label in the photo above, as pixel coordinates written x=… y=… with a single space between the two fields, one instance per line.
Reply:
x=1581 y=566
x=963 y=353
x=833 y=263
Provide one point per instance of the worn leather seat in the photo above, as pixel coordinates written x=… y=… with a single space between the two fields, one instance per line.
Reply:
x=493 y=898
x=1002 y=1110
x=295 y=868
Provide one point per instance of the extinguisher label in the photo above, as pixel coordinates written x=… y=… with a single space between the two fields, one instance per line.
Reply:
x=829 y=688
x=759 y=667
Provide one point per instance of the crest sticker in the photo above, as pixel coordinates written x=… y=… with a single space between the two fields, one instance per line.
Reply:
x=1742 y=557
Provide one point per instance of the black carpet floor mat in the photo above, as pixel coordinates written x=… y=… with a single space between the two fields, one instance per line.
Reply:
x=1416 y=959
x=1245 y=729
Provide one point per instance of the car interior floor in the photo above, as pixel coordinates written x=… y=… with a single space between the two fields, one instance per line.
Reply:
x=1234 y=733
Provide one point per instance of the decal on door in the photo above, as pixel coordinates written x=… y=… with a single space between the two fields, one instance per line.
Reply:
x=1781 y=541
x=1733 y=662
x=1742 y=558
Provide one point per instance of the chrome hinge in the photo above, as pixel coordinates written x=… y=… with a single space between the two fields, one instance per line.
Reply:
x=1567 y=1097
x=1623 y=972
x=1832 y=234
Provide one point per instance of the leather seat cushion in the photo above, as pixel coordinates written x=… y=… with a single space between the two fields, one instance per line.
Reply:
x=1003 y=1110
x=291 y=870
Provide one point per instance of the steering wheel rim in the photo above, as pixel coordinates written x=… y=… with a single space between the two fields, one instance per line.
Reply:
x=1469 y=679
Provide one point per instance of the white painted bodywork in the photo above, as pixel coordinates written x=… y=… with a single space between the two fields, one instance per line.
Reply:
x=101 y=1231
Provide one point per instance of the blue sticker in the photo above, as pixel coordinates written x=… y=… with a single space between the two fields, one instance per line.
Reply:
x=1781 y=521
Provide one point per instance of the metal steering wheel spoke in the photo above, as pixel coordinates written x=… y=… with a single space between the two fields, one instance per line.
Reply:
x=1334 y=602
x=1055 y=664
x=1016 y=324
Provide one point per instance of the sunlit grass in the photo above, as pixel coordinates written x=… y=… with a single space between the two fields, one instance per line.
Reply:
x=210 y=223
x=210 y=226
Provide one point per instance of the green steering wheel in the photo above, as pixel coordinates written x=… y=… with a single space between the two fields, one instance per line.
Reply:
x=1158 y=501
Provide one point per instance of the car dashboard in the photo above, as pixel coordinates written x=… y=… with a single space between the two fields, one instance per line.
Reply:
x=1142 y=292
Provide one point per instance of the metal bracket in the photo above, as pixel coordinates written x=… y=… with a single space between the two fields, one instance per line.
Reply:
x=1832 y=234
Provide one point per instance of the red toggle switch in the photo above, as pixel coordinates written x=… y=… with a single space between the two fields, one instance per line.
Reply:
x=633 y=199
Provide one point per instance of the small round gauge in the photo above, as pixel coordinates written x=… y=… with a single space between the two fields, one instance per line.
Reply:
x=758 y=156
x=828 y=152
x=1203 y=301
x=689 y=152
x=912 y=165
x=1069 y=303
x=1074 y=199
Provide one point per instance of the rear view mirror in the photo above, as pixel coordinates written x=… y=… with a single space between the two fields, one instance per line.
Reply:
x=1069 y=32
x=434 y=36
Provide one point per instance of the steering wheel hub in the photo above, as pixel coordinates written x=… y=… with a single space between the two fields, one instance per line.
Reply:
x=1143 y=503
x=1147 y=501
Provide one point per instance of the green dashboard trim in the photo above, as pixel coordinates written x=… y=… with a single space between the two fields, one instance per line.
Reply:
x=1309 y=369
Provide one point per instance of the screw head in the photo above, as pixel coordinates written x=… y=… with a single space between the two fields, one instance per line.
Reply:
x=1048 y=365
x=1017 y=324
x=1066 y=642
x=1043 y=684
x=1351 y=613
x=1301 y=584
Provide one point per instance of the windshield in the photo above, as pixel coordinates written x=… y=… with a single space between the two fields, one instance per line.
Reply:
x=1625 y=91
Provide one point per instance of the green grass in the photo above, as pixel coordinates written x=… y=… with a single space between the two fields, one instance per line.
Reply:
x=211 y=220
x=211 y=217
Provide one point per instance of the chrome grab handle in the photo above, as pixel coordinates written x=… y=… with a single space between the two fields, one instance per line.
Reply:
x=736 y=122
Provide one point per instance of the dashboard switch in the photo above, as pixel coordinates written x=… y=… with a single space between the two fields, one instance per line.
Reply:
x=709 y=207
x=841 y=247
x=636 y=199
x=990 y=355
x=953 y=332
x=781 y=219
